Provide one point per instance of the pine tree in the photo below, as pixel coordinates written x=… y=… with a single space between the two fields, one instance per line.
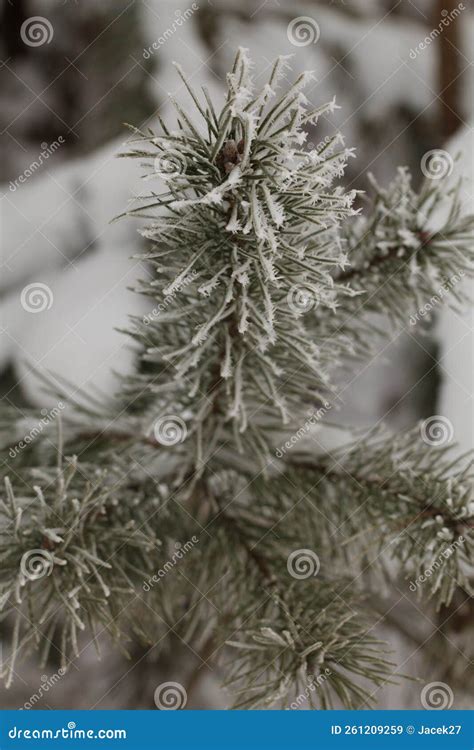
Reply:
x=181 y=513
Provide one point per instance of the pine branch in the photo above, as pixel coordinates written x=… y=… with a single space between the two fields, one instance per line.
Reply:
x=262 y=275
x=399 y=261
x=70 y=554
x=413 y=504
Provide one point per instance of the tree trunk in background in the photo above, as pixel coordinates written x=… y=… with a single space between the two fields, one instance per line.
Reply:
x=12 y=16
x=450 y=65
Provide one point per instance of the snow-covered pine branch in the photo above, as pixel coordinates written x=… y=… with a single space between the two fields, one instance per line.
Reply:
x=256 y=257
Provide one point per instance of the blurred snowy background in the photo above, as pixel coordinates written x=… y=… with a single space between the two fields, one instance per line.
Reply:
x=402 y=73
